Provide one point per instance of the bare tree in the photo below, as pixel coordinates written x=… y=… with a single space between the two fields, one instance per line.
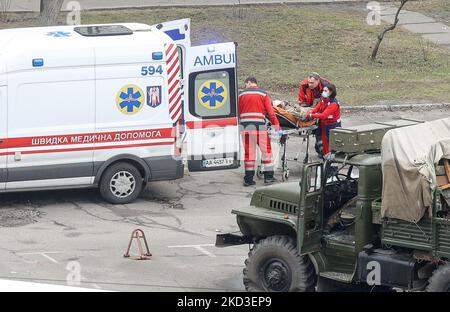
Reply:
x=49 y=11
x=389 y=28
x=4 y=8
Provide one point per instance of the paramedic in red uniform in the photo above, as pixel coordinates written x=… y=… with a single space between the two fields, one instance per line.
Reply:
x=254 y=106
x=311 y=90
x=329 y=114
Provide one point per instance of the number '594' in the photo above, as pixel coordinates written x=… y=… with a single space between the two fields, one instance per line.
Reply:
x=151 y=70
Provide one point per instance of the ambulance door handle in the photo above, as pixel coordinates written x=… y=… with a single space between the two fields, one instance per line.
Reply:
x=213 y=134
x=183 y=137
x=1 y=141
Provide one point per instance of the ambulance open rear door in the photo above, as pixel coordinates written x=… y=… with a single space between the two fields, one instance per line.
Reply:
x=210 y=107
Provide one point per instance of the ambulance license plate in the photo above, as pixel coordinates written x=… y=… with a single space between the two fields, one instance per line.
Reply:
x=219 y=162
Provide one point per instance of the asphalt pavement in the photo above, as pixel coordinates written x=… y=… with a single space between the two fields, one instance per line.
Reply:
x=56 y=236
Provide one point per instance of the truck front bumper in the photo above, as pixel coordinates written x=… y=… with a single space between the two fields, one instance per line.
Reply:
x=229 y=239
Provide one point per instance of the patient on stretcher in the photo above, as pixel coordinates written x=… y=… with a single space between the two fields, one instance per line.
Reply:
x=291 y=115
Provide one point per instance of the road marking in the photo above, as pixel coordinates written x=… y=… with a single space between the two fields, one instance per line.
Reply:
x=192 y=246
x=201 y=249
x=39 y=252
x=198 y=247
x=43 y=254
x=49 y=258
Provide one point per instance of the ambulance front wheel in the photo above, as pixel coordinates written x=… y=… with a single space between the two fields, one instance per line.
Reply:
x=121 y=183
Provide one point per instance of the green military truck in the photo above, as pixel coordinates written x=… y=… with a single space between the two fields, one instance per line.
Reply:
x=374 y=214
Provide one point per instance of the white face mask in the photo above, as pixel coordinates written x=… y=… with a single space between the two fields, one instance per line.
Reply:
x=325 y=94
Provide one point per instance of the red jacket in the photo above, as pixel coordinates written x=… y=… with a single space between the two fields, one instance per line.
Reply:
x=328 y=111
x=307 y=95
x=254 y=106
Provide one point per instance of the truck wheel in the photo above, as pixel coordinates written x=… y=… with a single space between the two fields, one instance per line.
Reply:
x=121 y=183
x=274 y=264
x=440 y=281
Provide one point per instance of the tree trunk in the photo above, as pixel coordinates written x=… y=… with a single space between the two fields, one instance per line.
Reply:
x=381 y=35
x=4 y=10
x=49 y=12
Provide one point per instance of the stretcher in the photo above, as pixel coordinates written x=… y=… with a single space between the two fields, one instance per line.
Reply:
x=291 y=126
x=302 y=129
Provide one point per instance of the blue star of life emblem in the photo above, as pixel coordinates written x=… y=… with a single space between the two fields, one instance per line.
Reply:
x=213 y=94
x=131 y=100
x=59 y=34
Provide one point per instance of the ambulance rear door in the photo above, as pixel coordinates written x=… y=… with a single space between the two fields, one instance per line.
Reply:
x=179 y=31
x=210 y=107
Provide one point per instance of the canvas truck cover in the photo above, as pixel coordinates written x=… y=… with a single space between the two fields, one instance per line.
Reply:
x=408 y=158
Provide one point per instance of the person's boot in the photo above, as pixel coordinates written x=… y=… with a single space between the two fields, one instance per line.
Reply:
x=248 y=178
x=249 y=183
x=269 y=178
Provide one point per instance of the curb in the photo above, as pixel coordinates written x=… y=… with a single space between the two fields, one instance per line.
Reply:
x=395 y=107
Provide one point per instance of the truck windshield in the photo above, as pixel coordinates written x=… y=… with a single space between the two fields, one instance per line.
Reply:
x=341 y=186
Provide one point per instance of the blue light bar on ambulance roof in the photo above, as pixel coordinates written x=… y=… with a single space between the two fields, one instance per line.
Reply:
x=38 y=62
x=157 y=56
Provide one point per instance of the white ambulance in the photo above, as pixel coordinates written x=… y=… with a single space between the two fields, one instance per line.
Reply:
x=111 y=106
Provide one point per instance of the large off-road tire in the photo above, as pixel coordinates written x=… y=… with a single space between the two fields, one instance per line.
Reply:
x=274 y=265
x=121 y=183
x=440 y=280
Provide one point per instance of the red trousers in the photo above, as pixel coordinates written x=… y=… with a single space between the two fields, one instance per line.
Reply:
x=252 y=139
x=325 y=129
x=325 y=141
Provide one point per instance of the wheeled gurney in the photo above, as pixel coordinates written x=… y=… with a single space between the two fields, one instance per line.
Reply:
x=295 y=127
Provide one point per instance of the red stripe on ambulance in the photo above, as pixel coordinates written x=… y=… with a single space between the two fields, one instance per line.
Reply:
x=89 y=138
x=212 y=123
x=81 y=149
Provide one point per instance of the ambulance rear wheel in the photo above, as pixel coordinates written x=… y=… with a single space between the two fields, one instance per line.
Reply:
x=121 y=183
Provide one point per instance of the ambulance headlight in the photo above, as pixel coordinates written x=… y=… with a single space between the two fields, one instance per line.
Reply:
x=211 y=49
